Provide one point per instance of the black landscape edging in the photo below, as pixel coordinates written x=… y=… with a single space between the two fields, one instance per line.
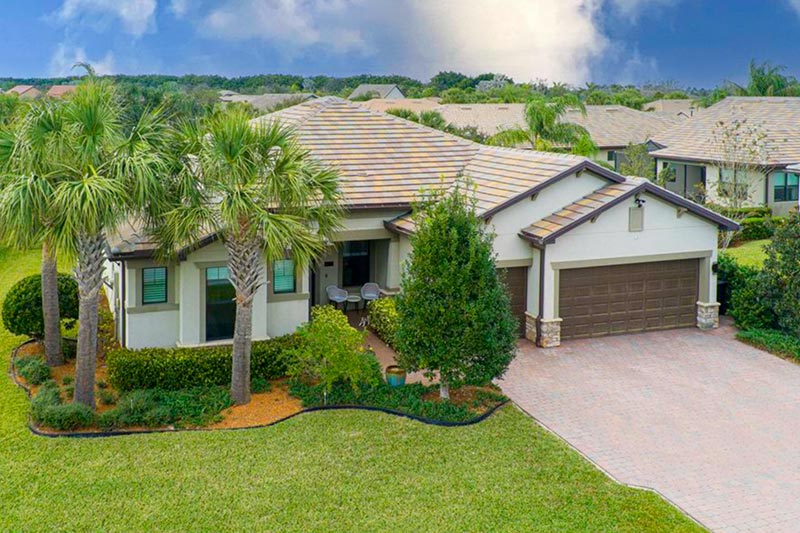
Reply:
x=98 y=434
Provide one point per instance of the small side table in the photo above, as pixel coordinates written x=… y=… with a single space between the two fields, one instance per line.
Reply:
x=352 y=299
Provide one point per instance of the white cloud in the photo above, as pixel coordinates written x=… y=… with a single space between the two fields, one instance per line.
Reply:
x=556 y=40
x=65 y=57
x=179 y=7
x=291 y=25
x=137 y=16
x=794 y=4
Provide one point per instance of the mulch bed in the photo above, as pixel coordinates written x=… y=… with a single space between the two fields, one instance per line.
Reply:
x=264 y=409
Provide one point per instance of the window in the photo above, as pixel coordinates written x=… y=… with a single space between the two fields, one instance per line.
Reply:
x=733 y=183
x=785 y=186
x=154 y=285
x=355 y=263
x=283 y=276
x=611 y=155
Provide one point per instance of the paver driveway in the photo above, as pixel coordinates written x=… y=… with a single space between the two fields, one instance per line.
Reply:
x=710 y=423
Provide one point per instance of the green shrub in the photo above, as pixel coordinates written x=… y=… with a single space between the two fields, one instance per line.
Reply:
x=69 y=347
x=22 y=308
x=382 y=317
x=33 y=368
x=48 y=410
x=106 y=397
x=198 y=406
x=67 y=380
x=408 y=399
x=258 y=385
x=333 y=351
x=184 y=368
x=781 y=279
x=754 y=211
x=773 y=341
x=755 y=228
x=751 y=304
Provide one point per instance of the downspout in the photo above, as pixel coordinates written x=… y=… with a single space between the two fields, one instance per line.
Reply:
x=541 y=291
x=122 y=305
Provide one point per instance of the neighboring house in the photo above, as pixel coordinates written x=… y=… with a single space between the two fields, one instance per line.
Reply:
x=267 y=102
x=226 y=92
x=691 y=150
x=684 y=107
x=584 y=251
x=417 y=105
x=25 y=91
x=59 y=91
x=378 y=90
x=612 y=127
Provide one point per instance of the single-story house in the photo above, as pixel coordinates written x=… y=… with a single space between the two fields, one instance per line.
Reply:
x=377 y=90
x=682 y=107
x=584 y=251
x=692 y=149
x=268 y=101
x=59 y=91
x=25 y=91
x=612 y=127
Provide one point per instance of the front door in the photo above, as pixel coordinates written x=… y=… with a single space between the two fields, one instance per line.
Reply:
x=220 y=304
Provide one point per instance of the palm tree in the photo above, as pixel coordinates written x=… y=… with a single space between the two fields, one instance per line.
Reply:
x=544 y=130
x=766 y=79
x=106 y=174
x=263 y=196
x=31 y=150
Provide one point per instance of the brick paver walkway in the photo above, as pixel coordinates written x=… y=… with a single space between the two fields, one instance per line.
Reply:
x=710 y=423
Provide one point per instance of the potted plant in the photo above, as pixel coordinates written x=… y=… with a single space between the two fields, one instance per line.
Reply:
x=395 y=376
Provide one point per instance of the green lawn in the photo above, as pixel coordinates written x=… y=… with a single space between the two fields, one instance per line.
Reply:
x=319 y=471
x=750 y=253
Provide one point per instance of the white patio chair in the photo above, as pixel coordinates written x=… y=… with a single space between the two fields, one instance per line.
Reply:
x=336 y=295
x=369 y=293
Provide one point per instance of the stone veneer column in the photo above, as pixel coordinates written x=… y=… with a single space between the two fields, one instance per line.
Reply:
x=530 y=327
x=707 y=315
x=549 y=333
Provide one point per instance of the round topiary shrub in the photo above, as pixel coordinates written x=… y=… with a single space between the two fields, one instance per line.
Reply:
x=22 y=308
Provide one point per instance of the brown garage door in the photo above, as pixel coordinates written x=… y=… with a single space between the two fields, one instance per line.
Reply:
x=627 y=298
x=517 y=282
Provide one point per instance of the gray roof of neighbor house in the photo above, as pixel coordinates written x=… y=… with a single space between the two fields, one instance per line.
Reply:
x=685 y=107
x=267 y=102
x=417 y=105
x=381 y=89
x=610 y=126
x=776 y=119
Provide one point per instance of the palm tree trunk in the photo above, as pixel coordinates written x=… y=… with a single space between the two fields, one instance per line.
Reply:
x=50 y=310
x=242 y=343
x=89 y=274
x=246 y=266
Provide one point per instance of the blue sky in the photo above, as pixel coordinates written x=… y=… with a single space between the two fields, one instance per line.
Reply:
x=695 y=43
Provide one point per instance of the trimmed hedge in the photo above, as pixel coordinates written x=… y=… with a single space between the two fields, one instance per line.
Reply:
x=382 y=317
x=773 y=341
x=758 y=228
x=22 y=307
x=755 y=211
x=746 y=294
x=184 y=368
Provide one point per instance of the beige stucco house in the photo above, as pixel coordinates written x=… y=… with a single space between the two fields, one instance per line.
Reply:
x=377 y=90
x=692 y=149
x=584 y=251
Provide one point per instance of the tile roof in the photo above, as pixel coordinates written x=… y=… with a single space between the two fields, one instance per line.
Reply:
x=547 y=229
x=778 y=118
x=266 y=102
x=381 y=89
x=24 y=90
x=385 y=161
x=57 y=91
x=417 y=105
x=610 y=126
x=685 y=107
